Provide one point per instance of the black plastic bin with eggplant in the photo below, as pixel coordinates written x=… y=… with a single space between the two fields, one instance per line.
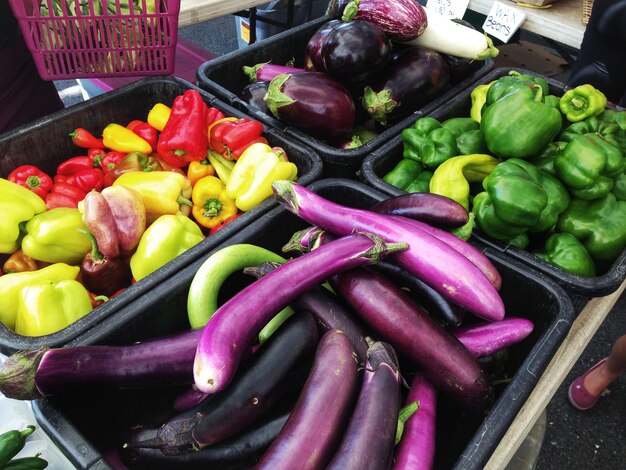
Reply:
x=358 y=55
x=608 y=275
x=46 y=143
x=332 y=376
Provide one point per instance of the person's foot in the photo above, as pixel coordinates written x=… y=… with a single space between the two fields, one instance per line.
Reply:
x=585 y=391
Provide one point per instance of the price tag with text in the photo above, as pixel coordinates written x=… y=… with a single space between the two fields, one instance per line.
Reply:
x=503 y=21
x=448 y=8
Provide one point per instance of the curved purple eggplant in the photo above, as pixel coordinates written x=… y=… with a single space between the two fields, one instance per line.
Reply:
x=412 y=78
x=265 y=71
x=253 y=95
x=355 y=51
x=313 y=54
x=312 y=102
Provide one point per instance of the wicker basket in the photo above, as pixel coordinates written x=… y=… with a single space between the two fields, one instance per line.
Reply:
x=71 y=39
x=587 y=6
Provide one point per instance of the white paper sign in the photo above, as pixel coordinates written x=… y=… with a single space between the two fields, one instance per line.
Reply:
x=503 y=21
x=448 y=8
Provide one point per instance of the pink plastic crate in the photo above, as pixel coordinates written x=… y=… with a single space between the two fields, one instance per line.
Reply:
x=99 y=38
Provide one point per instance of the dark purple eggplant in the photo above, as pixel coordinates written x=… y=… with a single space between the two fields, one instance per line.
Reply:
x=317 y=422
x=461 y=67
x=412 y=78
x=266 y=71
x=401 y=20
x=354 y=51
x=336 y=7
x=312 y=102
x=313 y=54
x=254 y=95
x=239 y=451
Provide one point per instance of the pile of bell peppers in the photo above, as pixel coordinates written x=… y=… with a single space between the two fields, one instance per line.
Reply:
x=538 y=171
x=135 y=199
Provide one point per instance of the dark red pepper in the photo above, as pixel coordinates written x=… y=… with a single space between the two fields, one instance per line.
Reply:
x=32 y=178
x=73 y=165
x=64 y=195
x=89 y=179
x=85 y=139
x=145 y=131
x=184 y=138
x=110 y=159
x=103 y=275
x=231 y=138
x=224 y=223
x=134 y=161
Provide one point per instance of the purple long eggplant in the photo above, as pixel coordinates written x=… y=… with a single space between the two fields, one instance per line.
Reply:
x=430 y=259
x=416 y=450
x=238 y=321
x=313 y=61
x=401 y=20
x=266 y=71
x=434 y=209
x=254 y=94
x=336 y=7
x=484 y=339
x=33 y=374
x=312 y=102
x=316 y=424
x=354 y=51
x=413 y=77
x=370 y=437
x=395 y=318
x=279 y=366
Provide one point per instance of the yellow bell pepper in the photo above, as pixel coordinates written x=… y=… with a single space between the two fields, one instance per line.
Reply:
x=121 y=139
x=163 y=192
x=250 y=181
x=199 y=169
x=211 y=204
x=45 y=307
x=11 y=285
x=158 y=116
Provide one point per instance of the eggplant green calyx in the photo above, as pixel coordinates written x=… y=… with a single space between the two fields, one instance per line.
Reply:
x=251 y=70
x=378 y=105
x=284 y=194
x=17 y=375
x=380 y=248
x=350 y=11
x=302 y=240
x=275 y=98
x=490 y=51
x=405 y=413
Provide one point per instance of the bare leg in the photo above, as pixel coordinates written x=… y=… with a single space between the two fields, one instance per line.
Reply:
x=601 y=377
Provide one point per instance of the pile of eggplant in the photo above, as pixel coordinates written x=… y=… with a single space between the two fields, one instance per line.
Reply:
x=389 y=312
x=373 y=63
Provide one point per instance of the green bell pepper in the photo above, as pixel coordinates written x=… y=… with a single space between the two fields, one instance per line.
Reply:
x=564 y=251
x=612 y=115
x=516 y=81
x=619 y=186
x=428 y=142
x=53 y=236
x=609 y=131
x=519 y=198
x=11 y=284
x=17 y=205
x=587 y=166
x=599 y=224
x=452 y=177
x=167 y=237
x=545 y=160
x=45 y=307
x=403 y=174
x=469 y=138
x=582 y=102
x=520 y=124
x=552 y=101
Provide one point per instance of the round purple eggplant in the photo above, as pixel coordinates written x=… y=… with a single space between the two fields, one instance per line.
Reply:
x=412 y=78
x=253 y=95
x=401 y=20
x=313 y=102
x=336 y=7
x=355 y=51
x=313 y=54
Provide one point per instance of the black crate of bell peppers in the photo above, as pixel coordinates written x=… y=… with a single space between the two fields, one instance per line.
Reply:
x=608 y=276
x=88 y=427
x=46 y=143
x=224 y=77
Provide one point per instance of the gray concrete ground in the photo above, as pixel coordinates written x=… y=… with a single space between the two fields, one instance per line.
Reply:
x=567 y=438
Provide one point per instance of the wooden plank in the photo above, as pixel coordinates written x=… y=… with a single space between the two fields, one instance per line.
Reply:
x=583 y=329
x=561 y=22
x=196 y=11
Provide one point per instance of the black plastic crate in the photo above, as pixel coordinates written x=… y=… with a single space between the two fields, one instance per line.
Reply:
x=46 y=143
x=85 y=431
x=223 y=76
x=382 y=160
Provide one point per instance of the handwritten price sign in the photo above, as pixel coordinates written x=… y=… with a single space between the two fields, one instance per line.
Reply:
x=448 y=8
x=503 y=21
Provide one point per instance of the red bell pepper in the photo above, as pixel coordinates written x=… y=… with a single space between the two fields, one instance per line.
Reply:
x=89 y=179
x=224 y=223
x=110 y=159
x=145 y=131
x=85 y=139
x=184 y=138
x=64 y=195
x=32 y=178
x=214 y=114
x=231 y=138
x=73 y=165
